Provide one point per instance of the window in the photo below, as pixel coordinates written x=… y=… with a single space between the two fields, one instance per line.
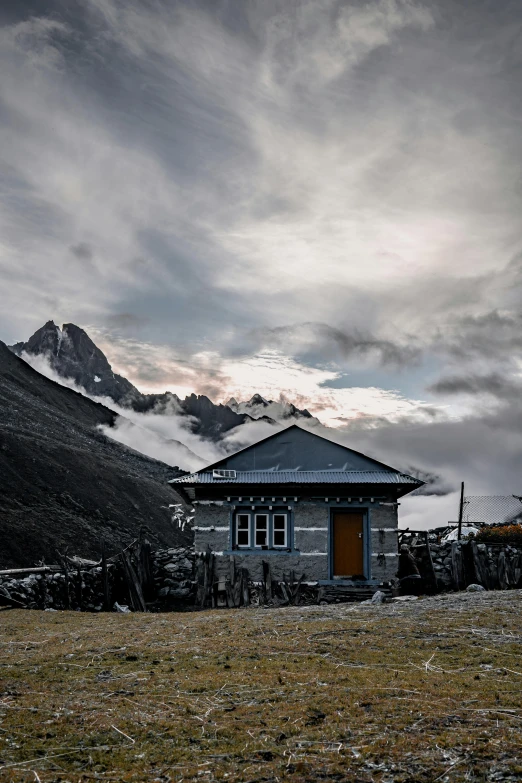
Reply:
x=264 y=529
x=261 y=530
x=243 y=530
x=223 y=474
x=279 y=530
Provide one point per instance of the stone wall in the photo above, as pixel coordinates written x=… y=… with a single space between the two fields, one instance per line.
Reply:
x=49 y=590
x=82 y=589
x=384 y=524
x=174 y=575
x=458 y=564
x=310 y=532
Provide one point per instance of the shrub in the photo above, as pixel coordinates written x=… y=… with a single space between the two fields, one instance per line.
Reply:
x=501 y=534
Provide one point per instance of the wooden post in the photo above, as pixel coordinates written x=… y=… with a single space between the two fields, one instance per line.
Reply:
x=145 y=566
x=457 y=568
x=105 y=579
x=208 y=574
x=503 y=579
x=245 y=591
x=432 y=571
x=264 y=591
x=44 y=592
x=135 y=593
x=461 y=511
x=481 y=568
x=79 y=589
x=212 y=586
x=63 y=562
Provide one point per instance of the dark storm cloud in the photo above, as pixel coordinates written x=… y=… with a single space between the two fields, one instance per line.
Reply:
x=83 y=251
x=494 y=384
x=491 y=335
x=125 y=321
x=324 y=342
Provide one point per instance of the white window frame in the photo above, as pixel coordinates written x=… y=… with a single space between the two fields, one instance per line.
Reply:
x=243 y=514
x=265 y=514
x=273 y=530
x=252 y=517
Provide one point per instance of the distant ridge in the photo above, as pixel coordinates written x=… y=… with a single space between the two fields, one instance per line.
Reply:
x=72 y=354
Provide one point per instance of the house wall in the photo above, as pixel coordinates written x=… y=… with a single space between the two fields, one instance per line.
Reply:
x=311 y=537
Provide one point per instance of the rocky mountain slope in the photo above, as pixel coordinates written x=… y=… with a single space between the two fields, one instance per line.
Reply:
x=62 y=482
x=72 y=354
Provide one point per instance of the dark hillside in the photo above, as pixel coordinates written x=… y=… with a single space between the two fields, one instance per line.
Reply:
x=62 y=482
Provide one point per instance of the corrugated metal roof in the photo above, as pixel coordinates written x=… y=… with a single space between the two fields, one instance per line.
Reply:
x=302 y=477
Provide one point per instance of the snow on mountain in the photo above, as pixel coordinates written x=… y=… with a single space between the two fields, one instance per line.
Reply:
x=73 y=356
x=281 y=411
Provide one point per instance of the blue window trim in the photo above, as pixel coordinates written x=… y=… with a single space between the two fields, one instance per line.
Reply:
x=270 y=549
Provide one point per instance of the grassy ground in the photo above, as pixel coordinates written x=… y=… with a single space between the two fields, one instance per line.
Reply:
x=426 y=691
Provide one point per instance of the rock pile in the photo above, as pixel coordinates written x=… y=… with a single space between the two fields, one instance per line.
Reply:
x=492 y=565
x=81 y=590
x=174 y=575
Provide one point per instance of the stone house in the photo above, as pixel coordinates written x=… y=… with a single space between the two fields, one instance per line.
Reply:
x=303 y=503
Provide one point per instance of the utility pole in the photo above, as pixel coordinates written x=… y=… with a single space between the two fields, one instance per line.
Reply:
x=461 y=511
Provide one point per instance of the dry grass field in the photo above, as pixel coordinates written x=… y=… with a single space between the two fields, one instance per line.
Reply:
x=422 y=691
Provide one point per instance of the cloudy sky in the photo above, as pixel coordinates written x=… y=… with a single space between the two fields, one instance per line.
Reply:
x=315 y=198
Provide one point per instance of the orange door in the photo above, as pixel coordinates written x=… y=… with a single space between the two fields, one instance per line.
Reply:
x=348 y=544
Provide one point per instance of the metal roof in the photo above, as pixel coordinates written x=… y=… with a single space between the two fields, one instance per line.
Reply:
x=301 y=477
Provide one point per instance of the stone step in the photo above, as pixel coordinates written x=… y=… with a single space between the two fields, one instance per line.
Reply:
x=355 y=593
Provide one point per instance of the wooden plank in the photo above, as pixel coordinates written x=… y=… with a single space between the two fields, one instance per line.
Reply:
x=135 y=593
x=65 y=569
x=230 y=594
x=105 y=579
x=432 y=576
x=200 y=573
x=212 y=584
x=481 y=572
x=6 y=600
x=35 y=570
x=245 y=591
x=79 y=588
x=457 y=566
x=503 y=578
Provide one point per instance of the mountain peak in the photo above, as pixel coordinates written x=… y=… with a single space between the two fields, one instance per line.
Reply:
x=258 y=400
x=72 y=354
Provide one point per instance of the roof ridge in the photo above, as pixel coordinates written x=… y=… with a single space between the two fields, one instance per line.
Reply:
x=300 y=476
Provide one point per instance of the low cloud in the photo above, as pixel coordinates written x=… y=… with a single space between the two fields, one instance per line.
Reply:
x=422 y=512
x=162 y=433
x=163 y=436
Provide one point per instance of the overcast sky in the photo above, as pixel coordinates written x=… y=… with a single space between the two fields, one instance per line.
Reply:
x=316 y=198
